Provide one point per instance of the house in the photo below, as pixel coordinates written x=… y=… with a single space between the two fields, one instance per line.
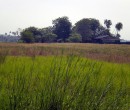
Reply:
x=122 y=41
x=106 y=39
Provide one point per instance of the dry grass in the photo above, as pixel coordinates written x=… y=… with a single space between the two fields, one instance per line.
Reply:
x=106 y=52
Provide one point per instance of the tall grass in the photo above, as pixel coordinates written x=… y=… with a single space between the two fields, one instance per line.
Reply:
x=3 y=55
x=117 y=53
x=63 y=83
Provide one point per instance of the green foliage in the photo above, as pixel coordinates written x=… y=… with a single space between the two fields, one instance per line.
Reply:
x=46 y=30
x=50 y=37
x=108 y=23
x=3 y=55
x=35 y=31
x=75 y=38
x=87 y=28
x=62 y=28
x=63 y=83
x=119 y=26
x=27 y=37
x=31 y=34
x=118 y=36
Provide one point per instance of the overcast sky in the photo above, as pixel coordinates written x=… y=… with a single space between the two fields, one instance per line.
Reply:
x=16 y=14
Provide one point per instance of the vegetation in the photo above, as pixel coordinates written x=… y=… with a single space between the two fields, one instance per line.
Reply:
x=59 y=77
x=118 y=27
x=108 y=23
x=105 y=52
x=87 y=28
x=28 y=36
x=62 y=29
x=63 y=83
x=75 y=38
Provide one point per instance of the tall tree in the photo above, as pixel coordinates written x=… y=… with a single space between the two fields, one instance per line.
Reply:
x=75 y=38
x=46 y=30
x=87 y=28
x=33 y=30
x=62 y=28
x=27 y=36
x=36 y=33
x=108 y=23
x=118 y=26
x=14 y=33
x=48 y=35
x=95 y=26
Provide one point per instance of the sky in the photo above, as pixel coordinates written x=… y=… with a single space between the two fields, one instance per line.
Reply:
x=16 y=14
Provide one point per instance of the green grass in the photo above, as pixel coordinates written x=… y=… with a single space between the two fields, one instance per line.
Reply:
x=63 y=83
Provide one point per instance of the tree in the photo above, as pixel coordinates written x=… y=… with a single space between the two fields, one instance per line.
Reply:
x=75 y=38
x=47 y=34
x=95 y=26
x=87 y=28
x=118 y=27
x=108 y=23
x=35 y=33
x=14 y=33
x=50 y=37
x=27 y=36
x=62 y=28
x=46 y=30
x=6 y=34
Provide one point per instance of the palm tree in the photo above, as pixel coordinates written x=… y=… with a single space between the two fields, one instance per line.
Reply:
x=118 y=27
x=108 y=23
x=14 y=33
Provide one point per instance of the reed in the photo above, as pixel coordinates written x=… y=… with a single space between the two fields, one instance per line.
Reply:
x=63 y=83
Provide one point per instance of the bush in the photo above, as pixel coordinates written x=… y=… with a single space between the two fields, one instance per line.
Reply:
x=27 y=37
x=50 y=37
x=75 y=38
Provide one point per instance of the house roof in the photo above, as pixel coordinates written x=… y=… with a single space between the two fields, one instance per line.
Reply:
x=99 y=37
x=122 y=40
x=106 y=36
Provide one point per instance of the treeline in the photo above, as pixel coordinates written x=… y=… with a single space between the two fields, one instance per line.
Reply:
x=62 y=30
x=4 y=38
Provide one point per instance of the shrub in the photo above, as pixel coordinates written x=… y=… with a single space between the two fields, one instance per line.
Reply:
x=27 y=37
x=75 y=38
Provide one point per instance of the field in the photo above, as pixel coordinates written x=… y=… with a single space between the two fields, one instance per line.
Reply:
x=64 y=77
x=104 y=52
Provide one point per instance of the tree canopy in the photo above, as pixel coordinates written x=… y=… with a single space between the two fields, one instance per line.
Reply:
x=108 y=23
x=27 y=36
x=118 y=27
x=84 y=30
x=87 y=28
x=62 y=28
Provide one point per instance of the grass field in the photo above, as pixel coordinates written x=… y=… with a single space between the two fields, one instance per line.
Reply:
x=64 y=77
x=106 y=52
